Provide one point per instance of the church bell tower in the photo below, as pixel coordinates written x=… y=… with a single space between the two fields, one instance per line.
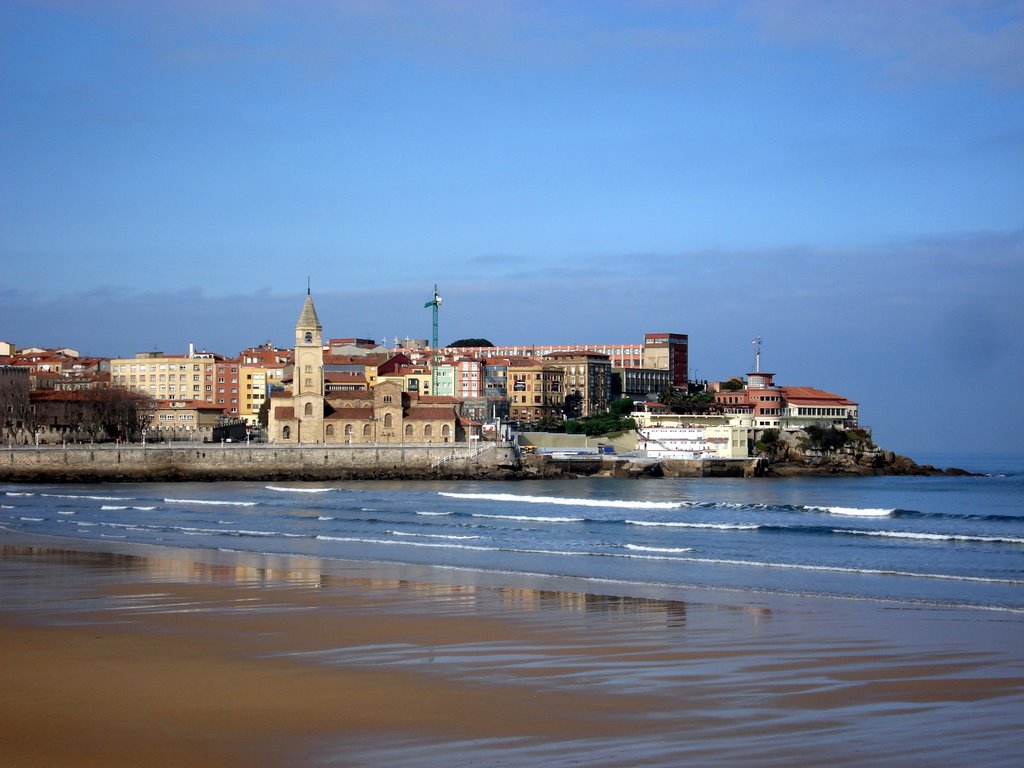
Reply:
x=308 y=376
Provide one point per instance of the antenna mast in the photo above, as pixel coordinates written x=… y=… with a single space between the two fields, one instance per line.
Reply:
x=757 y=354
x=435 y=304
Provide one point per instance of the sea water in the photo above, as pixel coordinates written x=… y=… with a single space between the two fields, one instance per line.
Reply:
x=943 y=540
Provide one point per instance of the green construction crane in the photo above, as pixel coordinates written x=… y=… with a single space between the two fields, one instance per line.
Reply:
x=435 y=303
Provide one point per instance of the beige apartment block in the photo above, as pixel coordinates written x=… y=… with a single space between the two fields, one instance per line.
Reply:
x=536 y=390
x=164 y=377
x=587 y=375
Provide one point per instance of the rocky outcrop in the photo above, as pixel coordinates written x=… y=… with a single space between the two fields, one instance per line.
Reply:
x=793 y=454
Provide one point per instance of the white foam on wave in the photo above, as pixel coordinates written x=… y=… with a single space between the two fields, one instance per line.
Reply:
x=853 y=511
x=283 y=489
x=190 y=531
x=664 y=550
x=66 y=512
x=32 y=519
x=708 y=526
x=622 y=504
x=7 y=506
x=114 y=507
x=934 y=536
x=856 y=571
x=20 y=493
x=479 y=548
x=530 y=519
x=213 y=502
x=453 y=537
x=323 y=518
x=82 y=496
x=433 y=514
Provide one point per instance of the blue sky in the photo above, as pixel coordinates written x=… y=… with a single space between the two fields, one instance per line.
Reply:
x=844 y=179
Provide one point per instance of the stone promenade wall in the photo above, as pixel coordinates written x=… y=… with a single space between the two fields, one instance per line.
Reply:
x=215 y=461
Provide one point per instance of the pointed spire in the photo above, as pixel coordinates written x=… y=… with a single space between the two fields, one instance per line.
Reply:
x=308 y=317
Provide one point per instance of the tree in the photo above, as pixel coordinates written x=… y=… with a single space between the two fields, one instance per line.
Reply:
x=733 y=385
x=471 y=343
x=263 y=415
x=621 y=407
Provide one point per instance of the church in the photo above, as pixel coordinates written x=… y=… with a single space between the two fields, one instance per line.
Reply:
x=308 y=413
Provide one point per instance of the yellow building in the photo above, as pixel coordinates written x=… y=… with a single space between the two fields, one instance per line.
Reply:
x=535 y=390
x=252 y=381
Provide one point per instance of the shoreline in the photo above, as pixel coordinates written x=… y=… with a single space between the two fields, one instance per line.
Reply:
x=134 y=654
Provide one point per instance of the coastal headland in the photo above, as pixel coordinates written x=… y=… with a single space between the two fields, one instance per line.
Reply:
x=453 y=461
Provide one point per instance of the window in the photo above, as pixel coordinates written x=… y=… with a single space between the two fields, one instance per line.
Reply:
x=348 y=430
x=308 y=411
x=286 y=433
x=408 y=430
x=366 y=430
x=309 y=337
x=330 y=430
x=387 y=421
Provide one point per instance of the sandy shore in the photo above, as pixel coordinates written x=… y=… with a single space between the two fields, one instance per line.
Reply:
x=180 y=657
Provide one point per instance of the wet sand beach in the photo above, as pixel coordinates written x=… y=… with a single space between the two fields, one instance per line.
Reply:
x=127 y=656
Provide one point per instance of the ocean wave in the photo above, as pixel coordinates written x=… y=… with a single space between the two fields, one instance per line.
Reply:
x=663 y=550
x=508 y=550
x=80 y=496
x=20 y=493
x=709 y=526
x=530 y=519
x=67 y=512
x=453 y=537
x=324 y=518
x=934 y=536
x=858 y=571
x=283 y=489
x=32 y=519
x=622 y=504
x=433 y=514
x=114 y=507
x=852 y=511
x=188 y=530
x=213 y=502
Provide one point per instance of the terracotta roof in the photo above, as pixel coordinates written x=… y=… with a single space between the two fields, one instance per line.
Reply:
x=419 y=413
x=350 y=414
x=812 y=396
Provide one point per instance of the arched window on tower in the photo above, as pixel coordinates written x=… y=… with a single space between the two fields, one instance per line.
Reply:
x=330 y=430
x=387 y=420
x=408 y=430
x=286 y=433
x=309 y=409
x=309 y=337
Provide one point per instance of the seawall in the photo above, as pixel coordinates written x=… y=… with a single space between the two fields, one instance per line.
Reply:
x=220 y=461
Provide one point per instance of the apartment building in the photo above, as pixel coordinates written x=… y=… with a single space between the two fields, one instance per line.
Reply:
x=170 y=377
x=587 y=380
x=536 y=390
